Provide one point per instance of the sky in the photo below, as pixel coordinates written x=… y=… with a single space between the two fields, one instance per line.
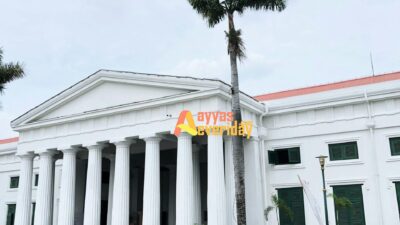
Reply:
x=311 y=42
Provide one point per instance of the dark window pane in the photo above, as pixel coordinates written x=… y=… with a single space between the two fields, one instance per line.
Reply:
x=284 y=156
x=33 y=213
x=350 y=151
x=14 y=181
x=335 y=153
x=10 y=214
x=294 y=200
x=294 y=155
x=272 y=159
x=352 y=214
x=398 y=195
x=36 y=180
x=395 y=146
x=343 y=151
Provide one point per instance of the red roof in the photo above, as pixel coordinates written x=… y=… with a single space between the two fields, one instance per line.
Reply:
x=9 y=140
x=331 y=86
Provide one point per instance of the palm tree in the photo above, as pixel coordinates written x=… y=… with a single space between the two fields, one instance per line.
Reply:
x=9 y=72
x=214 y=11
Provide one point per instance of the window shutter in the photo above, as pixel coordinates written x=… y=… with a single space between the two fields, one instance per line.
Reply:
x=33 y=213
x=294 y=200
x=14 y=182
x=272 y=159
x=353 y=215
x=294 y=155
x=335 y=152
x=395 y=146
x=350 y=151
x=36 y=180
x=11 y=214
x=398 y=195
x=343 y=151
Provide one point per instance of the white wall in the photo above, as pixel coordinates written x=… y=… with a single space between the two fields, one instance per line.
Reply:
x=370 y=123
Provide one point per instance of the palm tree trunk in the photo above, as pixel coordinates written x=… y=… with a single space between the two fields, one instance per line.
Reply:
x=238 y=150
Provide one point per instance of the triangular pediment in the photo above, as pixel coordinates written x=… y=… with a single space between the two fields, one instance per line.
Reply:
x=111 y=94
x=109 y=89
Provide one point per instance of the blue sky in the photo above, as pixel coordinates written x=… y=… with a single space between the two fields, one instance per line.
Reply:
x=311 y=42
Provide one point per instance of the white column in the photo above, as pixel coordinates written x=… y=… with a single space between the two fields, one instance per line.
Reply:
x=151 y=189
x=184 y=181
x=172 y=196
x=23 y=211
x=110 y=189
x=93 y=186
x=196 y=185
x=216 y=198
x=230 y=182
x=120 y=211
x=44 y=198
x=67 y=193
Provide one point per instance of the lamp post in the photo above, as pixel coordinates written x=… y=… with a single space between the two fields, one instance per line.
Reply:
x=322 y=163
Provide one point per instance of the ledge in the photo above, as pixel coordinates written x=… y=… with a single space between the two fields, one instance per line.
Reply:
x=344 y=163
x=288 y=167
x=393 y=159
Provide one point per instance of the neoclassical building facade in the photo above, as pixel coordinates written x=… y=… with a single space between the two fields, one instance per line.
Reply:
x=103 y=152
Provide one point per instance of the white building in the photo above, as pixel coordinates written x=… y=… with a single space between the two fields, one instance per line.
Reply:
x=103 y=152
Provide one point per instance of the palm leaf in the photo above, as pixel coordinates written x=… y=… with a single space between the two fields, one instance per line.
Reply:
x=235 y=43
x=273 y=5
x=211 y=10
x=9 y=72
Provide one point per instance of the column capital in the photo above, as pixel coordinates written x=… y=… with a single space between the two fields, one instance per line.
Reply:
x=28 y=155
x=47 y=153
x=123 y=143
x=97 y=147
x=152 y=139
x=184 y=135
x=70 y=151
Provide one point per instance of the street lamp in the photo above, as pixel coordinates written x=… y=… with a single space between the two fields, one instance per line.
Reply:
x=322 y=163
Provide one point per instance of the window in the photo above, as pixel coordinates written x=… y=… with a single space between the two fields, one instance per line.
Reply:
x=398 y=194
x=351 y=214
x=395 y=146
x=10 y=214
x=36 y=180
x=293 y=199
x=284 y=156
x=33 y=213
x=14 y=181
x=343 y=151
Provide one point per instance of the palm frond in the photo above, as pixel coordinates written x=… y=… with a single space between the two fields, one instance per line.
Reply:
x=10 y=72
x=235 y=43
x=272 y=5
x=211 y=10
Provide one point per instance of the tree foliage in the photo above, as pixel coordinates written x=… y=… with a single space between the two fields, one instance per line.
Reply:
x=9 y=72
x=214 y=11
